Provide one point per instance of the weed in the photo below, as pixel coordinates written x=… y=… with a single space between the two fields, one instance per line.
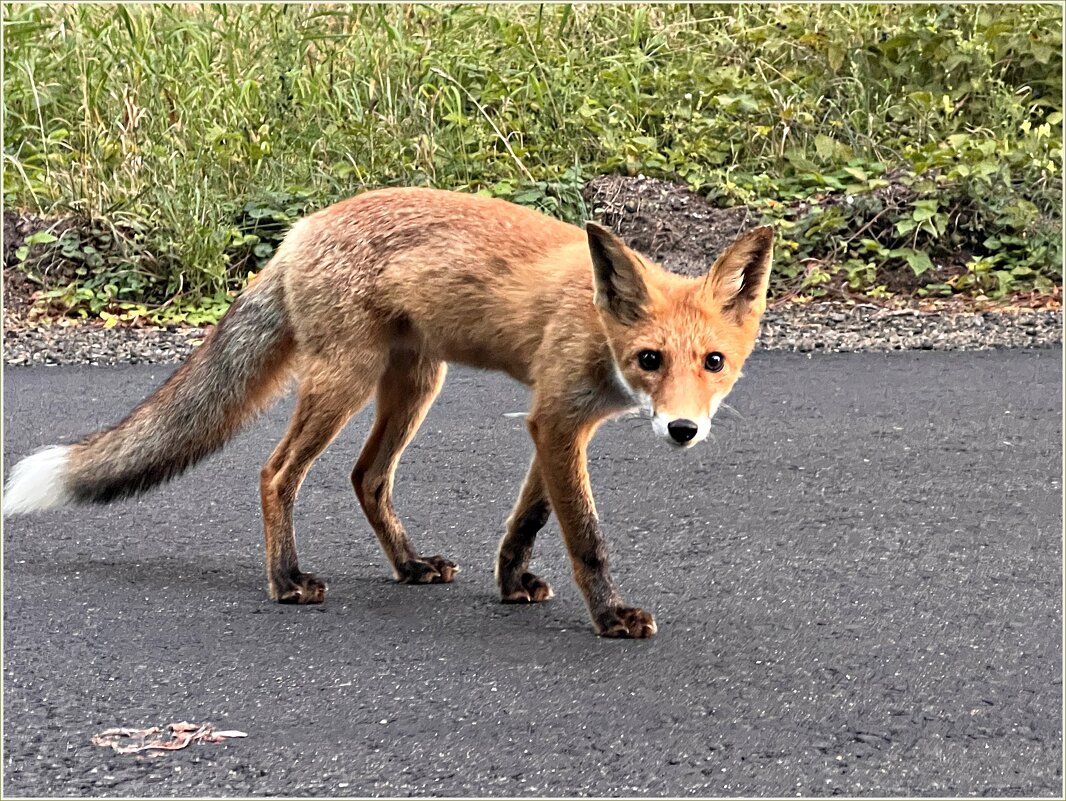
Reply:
x=885 y=140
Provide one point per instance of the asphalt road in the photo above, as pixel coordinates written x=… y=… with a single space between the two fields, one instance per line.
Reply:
x=858 y=584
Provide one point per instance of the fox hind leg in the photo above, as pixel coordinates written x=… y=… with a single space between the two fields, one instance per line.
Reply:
x=326 y=401
x=516 y=584
x=405 y=392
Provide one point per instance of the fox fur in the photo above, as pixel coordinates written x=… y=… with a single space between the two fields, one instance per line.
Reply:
x=372 y=297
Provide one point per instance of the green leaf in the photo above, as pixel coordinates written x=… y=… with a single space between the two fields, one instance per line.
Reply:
x=835 y=54
x=905 y=226
x=825 y=146
x=924 y=210
x=40 y=238
x=919 y=261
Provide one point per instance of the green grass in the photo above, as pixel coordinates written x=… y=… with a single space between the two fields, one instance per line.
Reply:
x=189 y=136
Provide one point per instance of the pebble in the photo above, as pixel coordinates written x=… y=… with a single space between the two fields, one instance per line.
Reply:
x=807 y=328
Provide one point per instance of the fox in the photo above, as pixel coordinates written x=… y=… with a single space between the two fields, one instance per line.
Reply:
x=373 y=297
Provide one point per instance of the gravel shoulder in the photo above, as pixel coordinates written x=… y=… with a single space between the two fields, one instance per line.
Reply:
x=814 y=327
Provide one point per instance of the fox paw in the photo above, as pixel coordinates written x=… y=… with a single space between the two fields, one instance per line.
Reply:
x=626 y=622
x=427 y=570
x=528 y=589
x=298 y=588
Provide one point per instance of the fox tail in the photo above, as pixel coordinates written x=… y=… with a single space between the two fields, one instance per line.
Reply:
x=241 y=367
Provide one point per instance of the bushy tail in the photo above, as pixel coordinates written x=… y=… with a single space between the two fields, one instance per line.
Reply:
x=225 y=383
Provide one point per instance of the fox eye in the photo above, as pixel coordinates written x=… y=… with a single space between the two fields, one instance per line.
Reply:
x=714 y=362
x=650 y=360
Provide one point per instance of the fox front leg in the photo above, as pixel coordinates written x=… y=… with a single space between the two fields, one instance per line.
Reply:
x=561 y=453
x=516 y=584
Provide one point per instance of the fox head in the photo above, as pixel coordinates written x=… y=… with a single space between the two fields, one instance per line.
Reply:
x=679 y=343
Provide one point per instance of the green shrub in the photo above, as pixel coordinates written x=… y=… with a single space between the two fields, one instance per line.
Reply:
x=884 y=138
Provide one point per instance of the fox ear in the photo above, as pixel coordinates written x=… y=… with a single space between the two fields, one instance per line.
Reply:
x=738 y=280
x=620 y=289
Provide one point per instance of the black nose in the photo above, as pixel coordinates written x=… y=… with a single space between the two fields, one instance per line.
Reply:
x=682 y=430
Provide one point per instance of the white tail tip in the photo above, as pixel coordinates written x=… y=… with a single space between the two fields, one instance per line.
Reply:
x=38 y=482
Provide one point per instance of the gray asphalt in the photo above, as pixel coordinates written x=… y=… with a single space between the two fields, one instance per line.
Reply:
x=858 y=584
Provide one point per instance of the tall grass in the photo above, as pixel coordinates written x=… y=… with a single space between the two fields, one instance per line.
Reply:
x=171 y=120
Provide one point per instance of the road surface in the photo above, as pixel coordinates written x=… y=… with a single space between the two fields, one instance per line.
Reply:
x=858 y=585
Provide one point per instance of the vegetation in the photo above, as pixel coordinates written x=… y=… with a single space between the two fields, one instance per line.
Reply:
x=182 y=140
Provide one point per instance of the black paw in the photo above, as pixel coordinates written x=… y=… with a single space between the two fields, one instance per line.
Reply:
x=626 y=622
x=527 y=589
x=298 y=588
x=427 y=570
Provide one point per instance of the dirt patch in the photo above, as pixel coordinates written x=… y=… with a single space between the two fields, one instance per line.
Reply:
x=684 y=232
x=875 y=214
x=18 y=288
x=18 y=298
x=20 y=224
x=666 y=221
x=49 y=268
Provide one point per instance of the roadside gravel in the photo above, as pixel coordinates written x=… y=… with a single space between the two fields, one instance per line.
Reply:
x=816 y=327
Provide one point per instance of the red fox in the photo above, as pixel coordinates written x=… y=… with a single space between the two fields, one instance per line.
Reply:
x=373 y=296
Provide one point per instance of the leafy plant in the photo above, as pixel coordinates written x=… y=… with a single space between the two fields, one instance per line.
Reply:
x=899 y=147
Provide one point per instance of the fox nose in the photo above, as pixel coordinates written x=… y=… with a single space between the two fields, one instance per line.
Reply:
x=682 y=430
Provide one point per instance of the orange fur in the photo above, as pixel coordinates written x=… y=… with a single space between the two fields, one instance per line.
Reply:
x=388 y=286
x=375 y=294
